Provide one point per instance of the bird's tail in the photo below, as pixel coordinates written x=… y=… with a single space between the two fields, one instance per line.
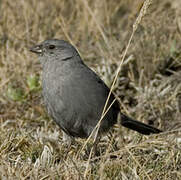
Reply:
x=138 y=126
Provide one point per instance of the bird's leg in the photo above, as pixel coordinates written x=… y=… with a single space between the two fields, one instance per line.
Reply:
x=95 y=145
x=67 y=139
x=92 y=149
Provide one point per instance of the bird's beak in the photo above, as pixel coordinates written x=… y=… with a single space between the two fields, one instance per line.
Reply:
x=36 y=49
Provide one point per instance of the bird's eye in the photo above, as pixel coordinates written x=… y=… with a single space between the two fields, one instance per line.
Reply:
x=51 y=46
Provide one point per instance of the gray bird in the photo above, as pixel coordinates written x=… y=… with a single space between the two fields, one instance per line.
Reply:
x=75 y=96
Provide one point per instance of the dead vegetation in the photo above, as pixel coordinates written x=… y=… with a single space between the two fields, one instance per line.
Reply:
x=148 y=88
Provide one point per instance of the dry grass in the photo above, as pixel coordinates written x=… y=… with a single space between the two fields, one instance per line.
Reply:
x=148 y=88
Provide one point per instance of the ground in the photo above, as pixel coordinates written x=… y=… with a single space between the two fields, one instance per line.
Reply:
x=147 y=87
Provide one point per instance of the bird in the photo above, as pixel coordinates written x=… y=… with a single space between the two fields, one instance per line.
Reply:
x=75 y=96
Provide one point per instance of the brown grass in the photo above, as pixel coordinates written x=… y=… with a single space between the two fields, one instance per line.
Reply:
x=148 y=88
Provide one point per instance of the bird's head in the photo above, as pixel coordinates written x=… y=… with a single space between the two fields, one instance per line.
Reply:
x=54 y=49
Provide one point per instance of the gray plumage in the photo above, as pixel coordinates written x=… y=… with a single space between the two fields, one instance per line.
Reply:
x=75 y=95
